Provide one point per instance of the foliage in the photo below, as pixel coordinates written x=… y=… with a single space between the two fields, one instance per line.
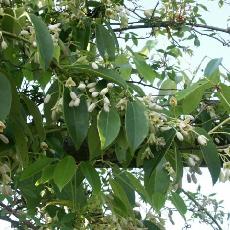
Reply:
x=81 y=138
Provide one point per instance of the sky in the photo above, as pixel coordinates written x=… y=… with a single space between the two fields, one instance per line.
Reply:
x=211 y=48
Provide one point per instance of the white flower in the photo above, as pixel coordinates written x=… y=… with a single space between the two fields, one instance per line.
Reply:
x=44 y=146
x=91 y=85
x=76 y=102
x=202 y=140
x=222 y=177
x=54 y=27
x=104 y=91
x=91 y=90
x=70 y=83
x=34 y=44
x=165 y=128
x=4 y=45
x=81 y=86
x=179 y=136
x=71 y=104
x=91 y=107
x=106 y=100
x=95 y=94
x=110 y=85
x=47 y=98
x=24 y=32
x=148 y=13
x=73 y=95
x=191 y=162
x=106 y=107
x=195 y=157
x=94 y=65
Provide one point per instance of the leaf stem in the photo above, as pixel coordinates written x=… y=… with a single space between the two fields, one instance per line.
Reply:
x=216 y=127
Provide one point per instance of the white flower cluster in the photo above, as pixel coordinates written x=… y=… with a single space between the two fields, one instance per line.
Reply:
x=4 y=171
x=117 y=12
x=225 y=173
x=150 y=102
x=55 y=30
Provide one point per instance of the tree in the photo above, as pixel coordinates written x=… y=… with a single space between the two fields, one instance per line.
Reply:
x=81 y=140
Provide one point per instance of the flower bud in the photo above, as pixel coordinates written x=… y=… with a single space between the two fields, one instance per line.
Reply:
x=73 y=95
x=148 y=13
x=191 y=162
x=47 y=98
x=173 y=101
x=91 y=90
x=104 y=91
x=81 y=86
x=76 y=102
x=179 y=136
x=95 y=94
x=94 y=65
x=106 y=100
x=222 y=177
x=4 y=45
x=165 y=128
x=24 y=32
x=71 y=104
x=91 y=107
x=202 y=140
x=91 y=85
x=4 y=139
x=110 y=85
x=106 y=107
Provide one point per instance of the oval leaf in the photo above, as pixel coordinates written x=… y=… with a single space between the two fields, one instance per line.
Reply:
x=91 y=175
x=64 y=171
x=5 y=97
x=136 y=124
x=76 y=118
x=108 y=124
x=44 y=40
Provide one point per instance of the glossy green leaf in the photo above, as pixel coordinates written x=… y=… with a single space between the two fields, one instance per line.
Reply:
x=211 y=156
x=76 y=118
x=94 y=142
x=224 y=95
x=44 y=40
x=91 y=175
x=105 y=42
x=178 y=202
x=108 y=124
x=5 y=97
x=145 y=71
x=212 y=66
x=136 y=124
x=64 y=171
x=35 y=167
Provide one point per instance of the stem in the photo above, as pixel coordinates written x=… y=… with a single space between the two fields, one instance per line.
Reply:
x=15 y=36
x=201 y=208
x=216 y=127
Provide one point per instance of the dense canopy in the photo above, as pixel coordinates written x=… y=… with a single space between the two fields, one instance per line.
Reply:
x=98 y=116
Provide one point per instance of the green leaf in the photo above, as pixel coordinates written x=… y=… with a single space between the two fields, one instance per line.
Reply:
x=91 y=175
x=94 y=142
x=120 y=193
x=224 y=95
x=158 y=200
x=107 y=74
x=150 y=225
x=143 y=68
x=35 y=167
x=136 y=124
x=167 y=86
x=212 y=67
x=5 y=97
x=178 y=202
x=108 y=124
x=64 y=171
x=105 y=42
x=210 y=155
x=37 y=117
x=125 y=68
x=76 y=118
x=44 y=40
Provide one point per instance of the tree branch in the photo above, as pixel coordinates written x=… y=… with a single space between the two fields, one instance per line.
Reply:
x=17 y=215
x=164 y=24
x=201 y=208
